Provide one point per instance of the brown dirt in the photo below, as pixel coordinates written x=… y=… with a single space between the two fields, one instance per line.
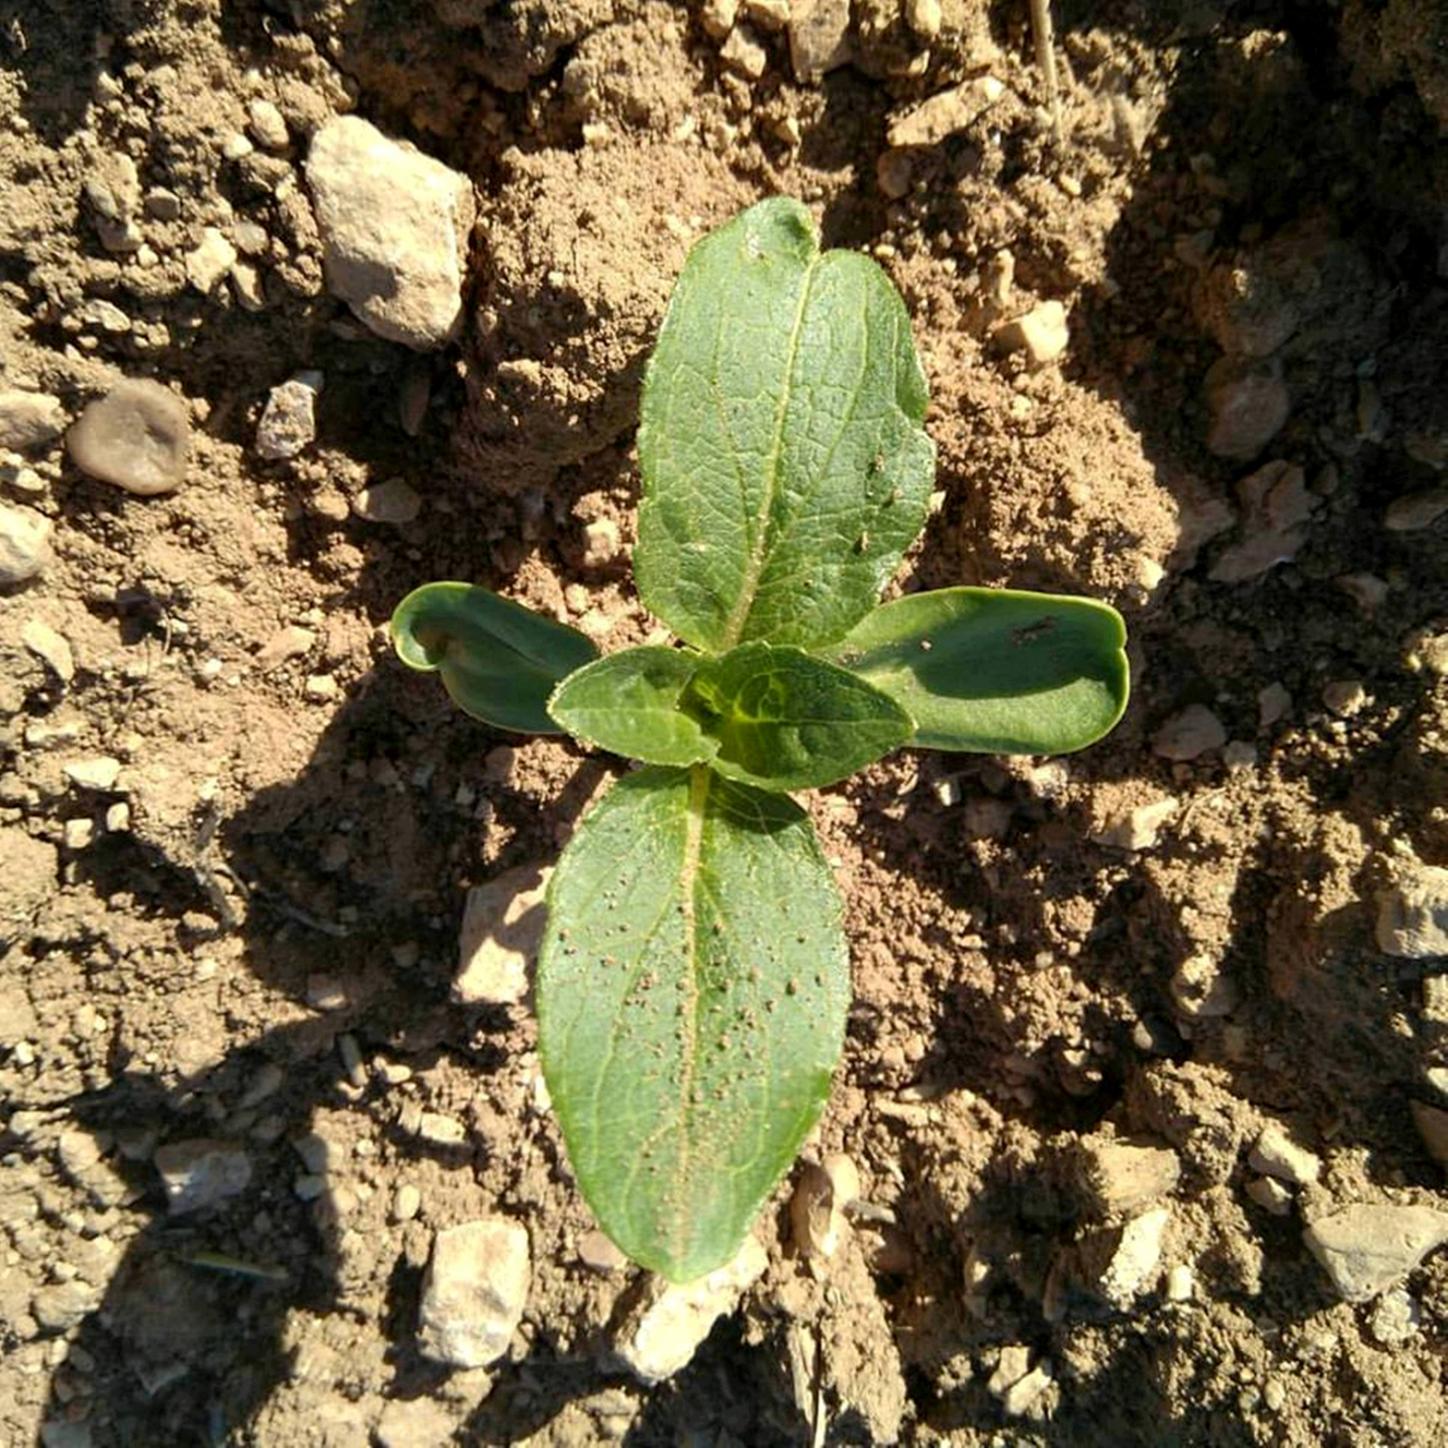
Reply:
x=1012 y=974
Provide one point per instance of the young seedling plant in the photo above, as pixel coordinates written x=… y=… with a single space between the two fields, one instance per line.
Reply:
x=693 y=979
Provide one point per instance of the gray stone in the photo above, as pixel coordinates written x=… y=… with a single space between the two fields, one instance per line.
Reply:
x=819 y=37
x=137 y=437
x=420 y=1423
x=289 y=420
x=1248 y=407
x=1277 y=508
x=502 y=925
x=1413 y=914
x=1188 y=734
x=202 y=1173
x=1367 y=1249
x=474 y=1293
x=946 y=113
x=1416 y=510
x=390 y=501
x=24 y=543
x=29 y=420
x=395 y=226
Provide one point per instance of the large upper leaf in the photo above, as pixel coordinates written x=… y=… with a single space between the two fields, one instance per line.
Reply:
x=629 y=702
x=499 y=661
x=786 y=720
x=785 y=467
x=692 y=989
x=996 y=671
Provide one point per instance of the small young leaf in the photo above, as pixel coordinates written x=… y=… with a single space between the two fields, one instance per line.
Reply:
x=499 y=661
x=996 y=671
x=629 y=703
x=691 y=995
x=785 y=468
x=786 y=720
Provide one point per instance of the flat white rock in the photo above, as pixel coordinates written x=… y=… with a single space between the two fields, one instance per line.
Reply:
x=1413 y=914
x=502 y=927
x=475 y=1291
x=395 y=226
x=662 y=1334
x=1367 y=1249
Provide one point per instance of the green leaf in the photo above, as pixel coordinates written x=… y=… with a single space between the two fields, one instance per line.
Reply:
x=786 y=720
x=499 y=661
x=692 y=989
x=785 y=468
x=629 y=703
x=996 y=671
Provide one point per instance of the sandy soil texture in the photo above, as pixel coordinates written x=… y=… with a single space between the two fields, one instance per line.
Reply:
x=1146 y=1080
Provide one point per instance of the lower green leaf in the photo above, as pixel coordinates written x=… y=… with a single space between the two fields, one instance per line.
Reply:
x=499 y=661
x=784 y=719
x=996 y=671
x=692 y=989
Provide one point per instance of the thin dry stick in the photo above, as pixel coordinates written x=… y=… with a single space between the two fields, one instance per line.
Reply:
x=1045 y=35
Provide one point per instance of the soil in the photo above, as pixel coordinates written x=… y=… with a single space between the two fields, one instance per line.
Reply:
x=259 y=946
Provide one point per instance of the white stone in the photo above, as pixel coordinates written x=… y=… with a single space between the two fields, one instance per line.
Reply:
x=1022 y=1396
x=1413 y=914
x=1188 y=734
x=1136 y=1262
x=1139 y=828
x=288 y=422
x=744 y=53
x=1277 y=1155
x=933 y=120
x=45 y=643
x=1181 y=1284
x=1271 y=1195
x=1043 y=333
x=502 y=926
x=717 y=17
x=395 y=226
x=601 y=543
x=819 y=37
x=664 y=1331
x=24 y=543
x=29 y=420
x=1395 y=1318
x=1012 y=1365
x=1201 y=991
x=474 y=1292
x=924 y=17
x=99 y=772
x=201 y=1174
x=1367 y=1249
x=211 y=260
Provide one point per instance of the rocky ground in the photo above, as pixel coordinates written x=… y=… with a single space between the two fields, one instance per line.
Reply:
x=1141 y=1130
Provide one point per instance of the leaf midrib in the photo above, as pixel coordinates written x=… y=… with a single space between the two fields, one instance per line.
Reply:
x=754 y=566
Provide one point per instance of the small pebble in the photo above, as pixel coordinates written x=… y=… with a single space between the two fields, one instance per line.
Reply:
x=1201 y=991
x=1271 y=1195
x=29 y=420
x=1180 y=1283
x=79 y=834
x=406 y=1202
x=288 y=421
x=267 y=126
x=24 y=543
x=46 y=644
x=744 y=54
x=1275 y=1154
x=211 y=260
x=1412 y=921
x=717 y=17
x=322 y=688
x=1188 y=734
x=1345 y=697
x=1043 y=333
x=392 y=501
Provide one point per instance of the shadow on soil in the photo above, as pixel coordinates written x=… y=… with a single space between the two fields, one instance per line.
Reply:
x=166 y=1334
